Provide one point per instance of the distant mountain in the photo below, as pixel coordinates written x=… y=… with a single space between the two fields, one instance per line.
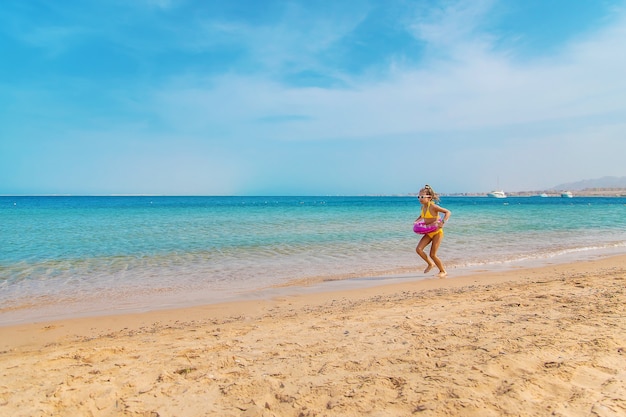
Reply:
x=604 y=182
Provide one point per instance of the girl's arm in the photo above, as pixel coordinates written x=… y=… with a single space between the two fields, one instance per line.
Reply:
x=446 y=213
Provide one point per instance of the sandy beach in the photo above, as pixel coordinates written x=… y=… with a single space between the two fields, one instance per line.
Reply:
x=530 y=342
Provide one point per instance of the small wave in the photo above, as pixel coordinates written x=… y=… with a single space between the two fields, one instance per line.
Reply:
x=552 y=254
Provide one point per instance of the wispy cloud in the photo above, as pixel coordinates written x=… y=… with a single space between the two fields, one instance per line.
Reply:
x=452 y=26
x=480 y=90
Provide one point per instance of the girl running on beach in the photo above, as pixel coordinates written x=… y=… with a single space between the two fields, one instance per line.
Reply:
x=430 y=214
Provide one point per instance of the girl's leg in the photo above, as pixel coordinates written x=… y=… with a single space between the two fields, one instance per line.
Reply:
x=420 y=251
x=433 y=254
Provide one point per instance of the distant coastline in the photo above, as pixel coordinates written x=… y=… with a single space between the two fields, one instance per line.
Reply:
x=590 y=192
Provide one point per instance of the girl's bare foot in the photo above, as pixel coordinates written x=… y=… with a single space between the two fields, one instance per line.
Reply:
x=428 y=268
x=442 y=274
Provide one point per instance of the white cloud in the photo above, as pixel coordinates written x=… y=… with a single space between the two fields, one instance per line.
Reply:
x=476 y=102
x=453 y=26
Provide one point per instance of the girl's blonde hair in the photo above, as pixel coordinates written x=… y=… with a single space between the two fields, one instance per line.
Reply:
x=428 y=190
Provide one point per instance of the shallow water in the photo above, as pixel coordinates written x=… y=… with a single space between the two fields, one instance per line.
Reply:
x=81 y=255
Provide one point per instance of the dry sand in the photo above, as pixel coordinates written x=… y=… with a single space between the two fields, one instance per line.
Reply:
x=531 y=342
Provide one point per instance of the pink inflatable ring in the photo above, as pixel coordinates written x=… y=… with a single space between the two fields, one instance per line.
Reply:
x=423 y=228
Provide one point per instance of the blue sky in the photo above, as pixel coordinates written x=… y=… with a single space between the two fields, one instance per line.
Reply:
x=309 y=97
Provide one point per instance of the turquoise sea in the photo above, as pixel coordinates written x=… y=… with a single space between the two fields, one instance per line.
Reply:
x=74 y=256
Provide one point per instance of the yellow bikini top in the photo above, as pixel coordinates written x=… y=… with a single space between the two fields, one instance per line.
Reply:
x=428 y=214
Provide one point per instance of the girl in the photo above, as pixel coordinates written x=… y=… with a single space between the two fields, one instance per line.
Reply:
x=430 y=214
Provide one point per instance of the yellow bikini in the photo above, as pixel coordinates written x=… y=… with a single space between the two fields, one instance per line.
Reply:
x=429 y=215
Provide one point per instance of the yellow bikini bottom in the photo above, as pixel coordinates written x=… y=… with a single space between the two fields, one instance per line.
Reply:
x=432 y=234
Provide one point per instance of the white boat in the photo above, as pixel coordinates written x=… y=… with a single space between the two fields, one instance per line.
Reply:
x=497 y=194
x=543 y=195
x=567 y=194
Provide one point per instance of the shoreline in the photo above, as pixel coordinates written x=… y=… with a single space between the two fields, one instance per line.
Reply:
x=534 y=341
x=253 y=306
x=53 y=308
